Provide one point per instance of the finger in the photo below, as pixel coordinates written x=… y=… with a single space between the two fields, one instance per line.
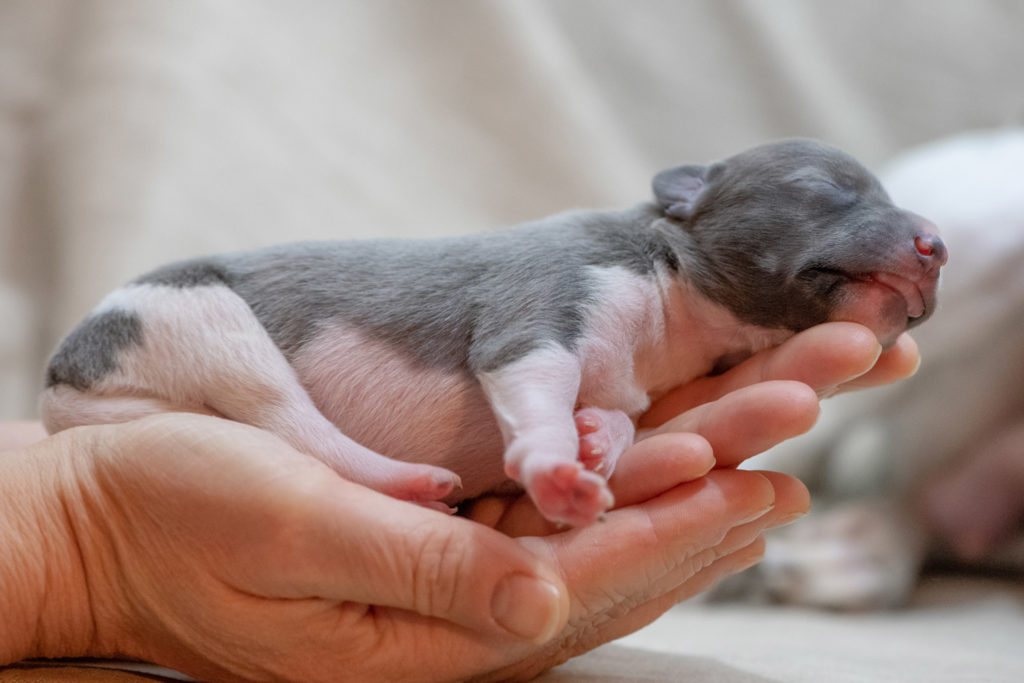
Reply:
x=733 y=562
x=646 y=470
x=898 y=362
x=660 y=537
x=652 y=467
x=750 y=420
x=658 y=464
x=791 y=501
x=822 y=357
x=703 y=580
x=354 y=545
x=627 y=620
x=601 y=626
x=636 y=604
x=676 y=540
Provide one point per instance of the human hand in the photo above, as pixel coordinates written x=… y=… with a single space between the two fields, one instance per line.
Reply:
x=215 y=549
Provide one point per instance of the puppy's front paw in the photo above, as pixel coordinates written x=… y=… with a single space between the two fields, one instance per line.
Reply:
x=604 y=435
x=566 y=493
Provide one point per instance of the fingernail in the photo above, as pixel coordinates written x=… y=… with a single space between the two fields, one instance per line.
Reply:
x=757 y=515
x=788 y=519
x=527 y=607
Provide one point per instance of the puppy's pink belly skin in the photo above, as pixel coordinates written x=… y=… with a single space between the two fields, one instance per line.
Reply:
x=402 y=423
x=405 y=411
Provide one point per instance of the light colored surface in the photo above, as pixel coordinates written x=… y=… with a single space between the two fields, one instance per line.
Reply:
x=132 y=133
x=958 y=631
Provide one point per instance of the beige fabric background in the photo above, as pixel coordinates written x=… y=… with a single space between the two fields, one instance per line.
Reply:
x=136 y=132
x=133 y=132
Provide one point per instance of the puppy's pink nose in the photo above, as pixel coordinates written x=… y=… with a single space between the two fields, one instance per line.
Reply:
x=931 y=249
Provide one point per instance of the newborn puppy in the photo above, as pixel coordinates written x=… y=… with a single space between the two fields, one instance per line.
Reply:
x=412 y=366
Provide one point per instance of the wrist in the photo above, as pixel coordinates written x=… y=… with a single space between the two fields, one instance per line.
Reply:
x=44 y=587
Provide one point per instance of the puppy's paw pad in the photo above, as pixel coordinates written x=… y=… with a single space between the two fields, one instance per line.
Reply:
x=565 y=493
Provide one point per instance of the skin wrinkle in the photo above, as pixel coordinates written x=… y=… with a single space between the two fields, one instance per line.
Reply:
x=79 y=555
x=64 y=584
x=427 y=599
x=74 y=495
x=741 y=557
x=690 y=565
x=21 y=576
x=123 y=539
x=692 y=492
x=733 y=541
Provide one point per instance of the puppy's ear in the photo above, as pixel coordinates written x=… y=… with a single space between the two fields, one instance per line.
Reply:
x=679 y=189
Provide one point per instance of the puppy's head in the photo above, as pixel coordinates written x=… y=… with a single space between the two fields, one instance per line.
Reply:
x=792 y=234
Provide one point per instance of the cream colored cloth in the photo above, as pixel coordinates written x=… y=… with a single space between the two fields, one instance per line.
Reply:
x=132 y=133
x=957 y=630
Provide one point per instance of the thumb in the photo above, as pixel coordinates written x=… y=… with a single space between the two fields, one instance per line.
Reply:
x=361 y=546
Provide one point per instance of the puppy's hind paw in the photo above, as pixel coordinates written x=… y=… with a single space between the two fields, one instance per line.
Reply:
x=565 y=493
x=604 y=435
x=424 y=484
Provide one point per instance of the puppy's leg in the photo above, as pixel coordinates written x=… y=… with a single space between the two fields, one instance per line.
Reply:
x=202 y=349
x=534 y=399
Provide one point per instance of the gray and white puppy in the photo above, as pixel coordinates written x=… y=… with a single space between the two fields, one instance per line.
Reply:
x=413 y=366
